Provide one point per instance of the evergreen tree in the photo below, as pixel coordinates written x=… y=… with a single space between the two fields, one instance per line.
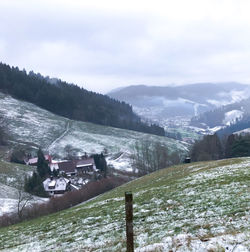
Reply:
x=42 y=165
x=241 y=147
x=34 y=185
x=101 y=164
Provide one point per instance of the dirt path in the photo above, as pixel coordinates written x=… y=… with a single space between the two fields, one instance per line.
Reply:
x=60 y=137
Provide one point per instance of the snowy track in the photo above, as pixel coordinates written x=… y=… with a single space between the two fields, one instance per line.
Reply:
x=59 y=138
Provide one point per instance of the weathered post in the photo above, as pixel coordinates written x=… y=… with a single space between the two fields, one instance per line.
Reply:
x=129 y=221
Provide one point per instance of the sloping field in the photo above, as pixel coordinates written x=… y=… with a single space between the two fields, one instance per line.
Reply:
x=11 y=176
x=31 y=125
x=11 y=173
x=194 y=207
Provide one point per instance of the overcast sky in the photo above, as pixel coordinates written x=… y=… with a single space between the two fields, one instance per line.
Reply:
x=101 y=45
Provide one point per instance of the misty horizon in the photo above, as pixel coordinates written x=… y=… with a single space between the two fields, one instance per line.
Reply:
x=102 y=46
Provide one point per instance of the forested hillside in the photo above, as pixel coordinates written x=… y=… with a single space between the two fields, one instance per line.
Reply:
x=223 y=114
x=71 y=101
x=239 y=125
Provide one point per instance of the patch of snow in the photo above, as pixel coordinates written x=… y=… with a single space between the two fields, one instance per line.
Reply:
x=231 y=116
x=243 y=132
x=213 y=130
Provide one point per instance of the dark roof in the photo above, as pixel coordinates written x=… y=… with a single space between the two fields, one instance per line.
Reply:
x=67 y=166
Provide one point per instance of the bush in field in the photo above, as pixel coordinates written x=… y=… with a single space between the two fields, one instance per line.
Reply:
x=17 y=156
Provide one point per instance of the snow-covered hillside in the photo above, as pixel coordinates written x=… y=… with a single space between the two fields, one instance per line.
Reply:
x=31 y=125
x=232 y=116
x=194 y=207
x=11 y=177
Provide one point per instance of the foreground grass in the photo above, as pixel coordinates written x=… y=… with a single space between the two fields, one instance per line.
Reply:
x=180 y=207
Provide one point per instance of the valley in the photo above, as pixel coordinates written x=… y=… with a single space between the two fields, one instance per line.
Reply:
x=197 y=206
x=196 y=109
x=124 y=126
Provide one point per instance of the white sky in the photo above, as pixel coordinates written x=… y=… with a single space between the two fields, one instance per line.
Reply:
x=102 y=45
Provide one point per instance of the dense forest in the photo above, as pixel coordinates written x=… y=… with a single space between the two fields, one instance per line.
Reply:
x=71 y=101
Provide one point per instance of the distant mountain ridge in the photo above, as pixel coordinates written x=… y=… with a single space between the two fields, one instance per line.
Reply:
x=159 y=103
x=71 y=101
x=231 y=115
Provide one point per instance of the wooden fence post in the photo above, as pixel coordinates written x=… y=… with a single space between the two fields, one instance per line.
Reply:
x=129 y=221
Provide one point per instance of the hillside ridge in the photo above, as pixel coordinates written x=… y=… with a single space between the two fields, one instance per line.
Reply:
x=70 y=100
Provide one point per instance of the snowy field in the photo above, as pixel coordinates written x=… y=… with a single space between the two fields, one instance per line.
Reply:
x=194 y=207
x=31 y=125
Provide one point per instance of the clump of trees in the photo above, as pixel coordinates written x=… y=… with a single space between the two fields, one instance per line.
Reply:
x=17 y=156
x=237 y=146
x=151 y=156
x=71 y=152
x=101 y=164
x=34 y=184
x=211 y=147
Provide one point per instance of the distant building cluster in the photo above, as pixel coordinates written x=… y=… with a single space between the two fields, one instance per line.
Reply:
x=66 y=175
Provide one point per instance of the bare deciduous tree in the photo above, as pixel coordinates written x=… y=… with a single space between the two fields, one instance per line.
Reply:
x=23 y=199
x=149 y=157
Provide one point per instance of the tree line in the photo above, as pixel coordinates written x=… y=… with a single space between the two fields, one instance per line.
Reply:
x=71 y=101
x=211 y=147
x=152 y=156
x=243 y=123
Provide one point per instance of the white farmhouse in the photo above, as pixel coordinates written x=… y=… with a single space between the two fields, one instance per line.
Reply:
x=56 y=185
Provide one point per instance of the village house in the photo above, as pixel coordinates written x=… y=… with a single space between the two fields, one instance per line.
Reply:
x=85 y=166
x=33 y=161
x=67 y=167
x=56 y=185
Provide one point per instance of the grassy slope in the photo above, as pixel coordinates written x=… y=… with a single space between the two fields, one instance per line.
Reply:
x=30 y=124
x=187 y=207
x=10 y=174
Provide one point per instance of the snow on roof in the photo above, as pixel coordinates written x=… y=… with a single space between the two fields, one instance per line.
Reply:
x=55 y=184
x=83 y=165
x=52 y=183
x=85 y=162
x=32 y=160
